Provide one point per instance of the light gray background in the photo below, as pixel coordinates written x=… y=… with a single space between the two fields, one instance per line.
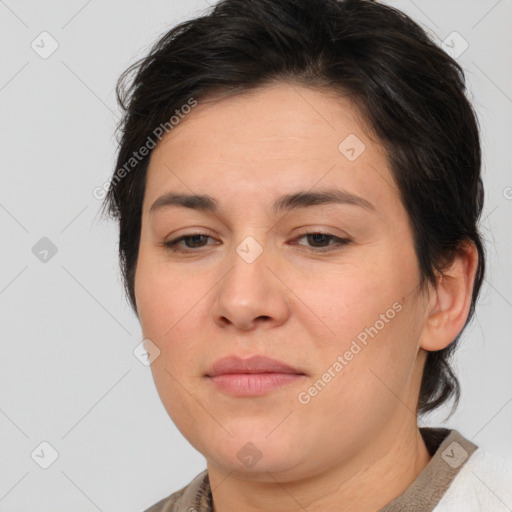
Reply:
x=68 y=374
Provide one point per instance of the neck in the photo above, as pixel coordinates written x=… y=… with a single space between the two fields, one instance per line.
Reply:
x=366 y=483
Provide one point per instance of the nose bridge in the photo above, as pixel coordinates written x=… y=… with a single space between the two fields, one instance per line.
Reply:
x=249 y=292
x=247 y=283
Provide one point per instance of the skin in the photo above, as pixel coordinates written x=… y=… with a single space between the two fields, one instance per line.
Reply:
x=356 y=444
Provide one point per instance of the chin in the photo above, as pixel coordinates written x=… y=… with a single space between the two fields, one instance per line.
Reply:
x=251 y=455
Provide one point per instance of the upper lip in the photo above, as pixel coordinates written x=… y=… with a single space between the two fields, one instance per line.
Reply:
x=253 y=364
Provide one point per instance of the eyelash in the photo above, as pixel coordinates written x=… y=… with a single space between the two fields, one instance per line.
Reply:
x=339 y=242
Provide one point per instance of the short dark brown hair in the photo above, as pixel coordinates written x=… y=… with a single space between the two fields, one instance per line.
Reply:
x=406 y=88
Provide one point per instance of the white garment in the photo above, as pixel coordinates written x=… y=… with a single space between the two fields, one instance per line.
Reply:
x=483 y=484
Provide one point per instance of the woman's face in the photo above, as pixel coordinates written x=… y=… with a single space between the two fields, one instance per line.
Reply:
x=252 y=279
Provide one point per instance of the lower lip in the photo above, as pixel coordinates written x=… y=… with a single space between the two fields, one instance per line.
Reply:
x=253 y=384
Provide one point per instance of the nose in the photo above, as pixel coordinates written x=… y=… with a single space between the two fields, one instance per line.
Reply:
x=250 y=295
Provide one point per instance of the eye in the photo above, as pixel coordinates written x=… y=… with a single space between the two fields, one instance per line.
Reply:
x=192 y=241
x=321 y=241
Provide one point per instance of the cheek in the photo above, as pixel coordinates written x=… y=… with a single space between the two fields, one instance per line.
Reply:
x=167 y=304
x=350 y=299
x=373 y=375
x=374 y=324
x=163 y=297
x=173 y=310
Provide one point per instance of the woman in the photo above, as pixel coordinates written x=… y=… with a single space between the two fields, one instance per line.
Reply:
x=298 y=189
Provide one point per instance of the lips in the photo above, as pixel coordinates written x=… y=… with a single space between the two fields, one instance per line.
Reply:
x=254 y=364
x=252 y=377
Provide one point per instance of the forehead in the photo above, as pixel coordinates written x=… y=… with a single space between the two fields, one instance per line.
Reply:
x=268 y=142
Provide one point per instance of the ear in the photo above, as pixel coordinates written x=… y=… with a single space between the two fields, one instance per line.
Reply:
x=450 y=300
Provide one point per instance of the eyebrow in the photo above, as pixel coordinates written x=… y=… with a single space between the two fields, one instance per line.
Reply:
x=301 y=199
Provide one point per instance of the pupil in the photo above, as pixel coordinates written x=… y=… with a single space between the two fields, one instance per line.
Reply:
x=315 y=237
x=195 y=239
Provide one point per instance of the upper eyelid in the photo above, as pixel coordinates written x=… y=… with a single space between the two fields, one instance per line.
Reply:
x=308 y=231
x=299 y=235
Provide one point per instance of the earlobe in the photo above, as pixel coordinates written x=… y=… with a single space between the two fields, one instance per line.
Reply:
x=451 y=300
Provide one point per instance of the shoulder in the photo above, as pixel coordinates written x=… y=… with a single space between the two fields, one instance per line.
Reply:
x=184 y=498
x=484 y=483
